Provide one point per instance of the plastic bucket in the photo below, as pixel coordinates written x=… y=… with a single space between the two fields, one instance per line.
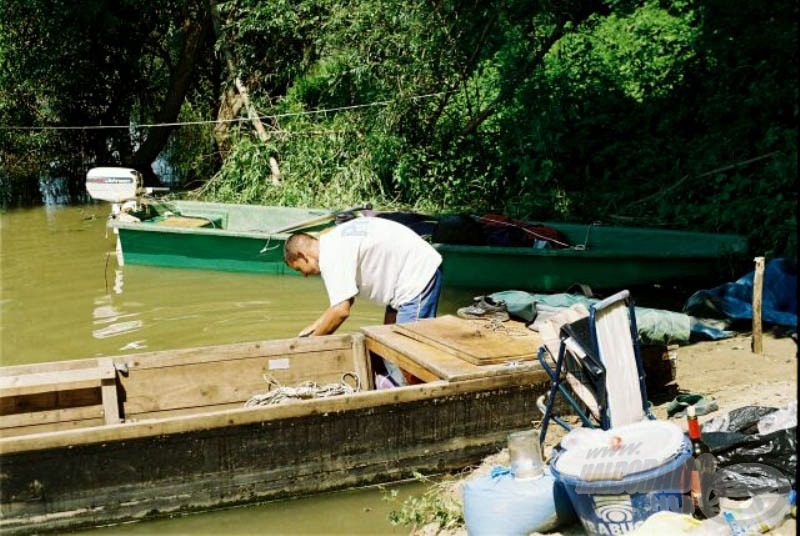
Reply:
x=617 y=506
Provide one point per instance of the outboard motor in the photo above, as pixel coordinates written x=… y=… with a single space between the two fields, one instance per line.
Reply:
x=123 y=188
x=118 y=186
x=114 y=184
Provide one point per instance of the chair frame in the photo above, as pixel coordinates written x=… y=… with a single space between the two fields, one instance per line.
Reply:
x=592 y=366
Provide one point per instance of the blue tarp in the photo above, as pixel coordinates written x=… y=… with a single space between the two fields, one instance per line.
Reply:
x=734 y=301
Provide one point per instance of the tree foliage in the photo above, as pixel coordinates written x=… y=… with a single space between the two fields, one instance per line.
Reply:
x=91 y=62
x=645 y=112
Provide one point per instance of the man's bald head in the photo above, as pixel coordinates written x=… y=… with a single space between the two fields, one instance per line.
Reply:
x=296 y=244
x=301 y=253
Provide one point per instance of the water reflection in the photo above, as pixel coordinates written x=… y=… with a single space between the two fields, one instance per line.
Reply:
x=117 y=281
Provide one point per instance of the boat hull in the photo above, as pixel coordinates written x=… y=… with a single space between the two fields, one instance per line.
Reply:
x=601 y=257
x=205 y=251
x=185 y=443
x=236 y=238
x=557 y=270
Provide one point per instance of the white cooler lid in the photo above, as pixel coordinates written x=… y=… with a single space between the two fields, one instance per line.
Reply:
x=592 y=454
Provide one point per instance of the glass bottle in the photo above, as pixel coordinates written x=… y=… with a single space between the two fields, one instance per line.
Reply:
x=704 y=500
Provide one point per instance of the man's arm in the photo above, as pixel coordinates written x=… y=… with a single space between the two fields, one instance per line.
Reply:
x=333 y=317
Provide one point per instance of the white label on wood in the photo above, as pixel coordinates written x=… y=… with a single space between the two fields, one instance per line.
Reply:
x=279 y=364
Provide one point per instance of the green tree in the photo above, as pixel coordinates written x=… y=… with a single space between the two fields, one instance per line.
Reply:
x=92 y=62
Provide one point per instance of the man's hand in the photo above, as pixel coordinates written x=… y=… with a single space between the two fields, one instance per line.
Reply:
x=307 y=332
x=331 y=319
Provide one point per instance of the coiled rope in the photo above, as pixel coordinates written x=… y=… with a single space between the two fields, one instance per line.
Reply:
x=278 y=393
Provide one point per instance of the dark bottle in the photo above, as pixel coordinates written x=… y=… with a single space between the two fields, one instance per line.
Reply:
x=704 y=500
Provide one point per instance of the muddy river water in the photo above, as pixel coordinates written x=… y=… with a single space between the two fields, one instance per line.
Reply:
x=63 y=296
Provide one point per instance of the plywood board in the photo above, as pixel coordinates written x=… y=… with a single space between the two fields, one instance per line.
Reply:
x=430 y=363
x=480 y=342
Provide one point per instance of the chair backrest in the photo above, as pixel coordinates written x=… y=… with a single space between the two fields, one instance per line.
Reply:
x=573 y=353
x=614 y=336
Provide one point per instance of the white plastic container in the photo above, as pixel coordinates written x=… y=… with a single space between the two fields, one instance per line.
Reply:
x=755 y=515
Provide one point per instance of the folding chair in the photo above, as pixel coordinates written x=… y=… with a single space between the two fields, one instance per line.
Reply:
x=598 y=368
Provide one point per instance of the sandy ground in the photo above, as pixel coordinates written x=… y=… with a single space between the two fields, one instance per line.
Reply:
x=725 y=370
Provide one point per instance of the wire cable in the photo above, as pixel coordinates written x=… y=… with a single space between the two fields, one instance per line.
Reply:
x=219 y=121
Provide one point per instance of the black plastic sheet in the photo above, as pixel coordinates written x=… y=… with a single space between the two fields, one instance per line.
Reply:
x=749 y=463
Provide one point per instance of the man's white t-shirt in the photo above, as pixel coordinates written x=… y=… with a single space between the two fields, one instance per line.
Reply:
x=376 y=258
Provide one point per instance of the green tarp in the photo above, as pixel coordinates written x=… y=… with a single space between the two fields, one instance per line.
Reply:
x=655 y=326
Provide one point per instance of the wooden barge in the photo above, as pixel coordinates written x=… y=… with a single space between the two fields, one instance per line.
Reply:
x=116 y=439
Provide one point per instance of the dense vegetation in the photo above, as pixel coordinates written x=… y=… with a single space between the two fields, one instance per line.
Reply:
x=677 y=113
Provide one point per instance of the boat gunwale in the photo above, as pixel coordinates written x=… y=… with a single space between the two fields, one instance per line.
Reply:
x=226 y=208
x=151 y=227
x=599 y=253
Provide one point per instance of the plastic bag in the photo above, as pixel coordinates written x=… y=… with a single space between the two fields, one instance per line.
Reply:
x=750 y=463
x=502 y=504
x=780 y=420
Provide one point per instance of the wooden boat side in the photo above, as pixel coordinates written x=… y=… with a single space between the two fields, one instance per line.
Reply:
x=118 y=481
x=161 y=463
x=168 y=383
x=207 y=420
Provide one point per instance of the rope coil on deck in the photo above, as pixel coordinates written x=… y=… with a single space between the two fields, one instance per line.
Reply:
x=498 y=326
x=279 y=393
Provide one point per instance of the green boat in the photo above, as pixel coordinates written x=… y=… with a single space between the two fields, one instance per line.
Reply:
x=249 y=238
x=246 y=238
x=215 y=236
x=603 y=257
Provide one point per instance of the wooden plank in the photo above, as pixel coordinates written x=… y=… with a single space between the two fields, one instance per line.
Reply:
x=435 y=363
x=207 y=384
x=245 y=350
x=41 y=382
x=361 y=362
x=478 y=341
x=55 y=366
x=159 y=415
x=402 y=360
x=51 y=421
x=47 y=384
x=108 y=390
